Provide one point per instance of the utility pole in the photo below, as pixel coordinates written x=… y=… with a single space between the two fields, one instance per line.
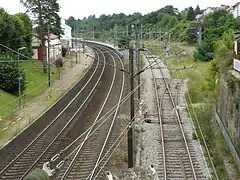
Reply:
x=141 y=34
x=48 y=57
x=19 y=77
x=115 y=35
x=79 y=51
x=160 y=37
x=138 y=57
x=76 y=48
x=169 y=38
x=131 y=129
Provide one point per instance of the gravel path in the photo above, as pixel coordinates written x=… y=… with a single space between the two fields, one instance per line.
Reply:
x=35 y=107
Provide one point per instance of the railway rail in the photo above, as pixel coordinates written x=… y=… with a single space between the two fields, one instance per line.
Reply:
x=82 y=107
x=178 y=156
x=84 y=163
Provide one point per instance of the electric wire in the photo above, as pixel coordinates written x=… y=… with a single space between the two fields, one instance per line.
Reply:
x=200 y=130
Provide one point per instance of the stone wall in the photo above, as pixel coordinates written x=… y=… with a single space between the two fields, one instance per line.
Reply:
x=228 y=103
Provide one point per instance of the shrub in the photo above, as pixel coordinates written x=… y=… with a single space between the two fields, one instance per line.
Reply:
x=9 y=77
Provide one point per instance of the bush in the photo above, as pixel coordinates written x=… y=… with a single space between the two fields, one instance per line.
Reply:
x=204 y=51
x=9 y=77
x=124 y=42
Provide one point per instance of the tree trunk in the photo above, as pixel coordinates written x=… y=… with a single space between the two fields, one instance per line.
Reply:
x=42 y=37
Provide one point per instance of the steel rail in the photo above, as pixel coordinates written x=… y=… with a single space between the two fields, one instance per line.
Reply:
x=65 y=175
x=179 y=122
x=113 y=121
x=64 y=128
x=47 y=128
x=160 y=122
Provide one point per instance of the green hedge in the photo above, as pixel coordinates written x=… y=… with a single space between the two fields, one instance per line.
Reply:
x=9 y=77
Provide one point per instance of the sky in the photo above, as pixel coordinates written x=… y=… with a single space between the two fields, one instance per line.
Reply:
x=81 y=8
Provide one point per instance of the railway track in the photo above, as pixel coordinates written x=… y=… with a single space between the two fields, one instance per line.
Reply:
x=73 y=118
x=12 y=149
x=84 y=163
x=179 y=159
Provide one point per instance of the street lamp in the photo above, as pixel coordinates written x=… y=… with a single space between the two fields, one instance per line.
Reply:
x=19 y=76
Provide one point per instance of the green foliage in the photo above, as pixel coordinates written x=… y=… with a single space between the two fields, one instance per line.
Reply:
x=18 y=33
x=214 y=140
x=47 y=13
x=197 y=10
x=222 y=61
x=215 y=25
x=124 y=42
x=9 y=77
x=27 y=38
x=231 y=83
x=6 y=29
x=190 y=14
x=210 y=78
x=167 y=15
x=15 y=32
x=204 y=51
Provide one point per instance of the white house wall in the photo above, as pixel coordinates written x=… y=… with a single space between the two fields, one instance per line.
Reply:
x=236 y=12
x=35 y=54
x=67 y=33
x=55 y=50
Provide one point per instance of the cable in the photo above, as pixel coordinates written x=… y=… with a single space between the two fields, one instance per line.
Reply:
x=17 y=52
x=119 y=140
x=181 y=128
x=128 y=126
x=200 y=129
x=2 y=42
x=114 y=116
x=111 y=111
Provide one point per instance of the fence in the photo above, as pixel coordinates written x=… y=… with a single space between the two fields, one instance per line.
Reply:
x=228 y=140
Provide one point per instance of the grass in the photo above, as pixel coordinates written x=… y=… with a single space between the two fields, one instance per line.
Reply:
x=37 y=82
x=195 y=75
x=5 y=98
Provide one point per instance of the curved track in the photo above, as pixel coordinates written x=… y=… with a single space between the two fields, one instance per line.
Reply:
x=84 y=162
x=73 y=119
x=179 y=159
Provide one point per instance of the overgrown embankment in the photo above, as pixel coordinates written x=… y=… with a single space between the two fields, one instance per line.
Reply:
x=201 y=98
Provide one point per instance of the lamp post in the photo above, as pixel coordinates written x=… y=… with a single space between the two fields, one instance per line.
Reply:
x=19 y=74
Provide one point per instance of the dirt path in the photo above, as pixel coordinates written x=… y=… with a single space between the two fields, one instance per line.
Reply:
x=37 y=106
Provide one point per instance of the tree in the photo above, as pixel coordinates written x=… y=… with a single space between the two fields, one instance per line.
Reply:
x=6 y=29
x=197 y=10
x=18 y=33
x=124 y=42
x=27 y=31
x=169 y=9
x=190 y=14
x=215 y=24
x=204 y=51
x=9 y=77
x=46 y=12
